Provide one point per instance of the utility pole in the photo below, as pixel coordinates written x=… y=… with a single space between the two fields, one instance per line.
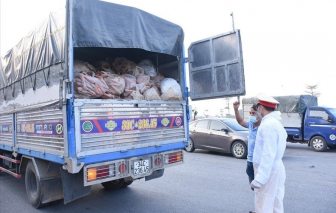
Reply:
x=227 y=104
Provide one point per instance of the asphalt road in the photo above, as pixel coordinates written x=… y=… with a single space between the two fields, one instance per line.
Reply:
x=207 y=182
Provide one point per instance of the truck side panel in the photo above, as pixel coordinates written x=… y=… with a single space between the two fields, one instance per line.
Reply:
x=114 y=126
x=41 y=130
x=6 y=131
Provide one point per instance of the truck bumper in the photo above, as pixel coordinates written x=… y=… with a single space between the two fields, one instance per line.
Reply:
x=132 y=168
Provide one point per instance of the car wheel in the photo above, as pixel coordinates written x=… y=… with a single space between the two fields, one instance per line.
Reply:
x=239 y=150
x=318 y=144
x=114 y=184
x=190 y=147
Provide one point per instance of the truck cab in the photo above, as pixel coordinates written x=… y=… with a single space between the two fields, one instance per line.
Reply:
x=303 y=120
x=319 y=127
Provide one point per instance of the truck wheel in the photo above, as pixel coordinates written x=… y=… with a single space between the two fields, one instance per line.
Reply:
x=239 y=150
x=190 y=147
x=33 y=186
x=318 y=144
x=126 y=184
x=114 y=184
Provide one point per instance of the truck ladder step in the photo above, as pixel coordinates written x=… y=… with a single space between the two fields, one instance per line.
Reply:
x=10 y=172
x=10 y=159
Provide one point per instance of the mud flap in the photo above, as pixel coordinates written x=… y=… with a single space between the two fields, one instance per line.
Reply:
x=154 y=175
x=51 y=190
x=73 y=186
x=50 y=179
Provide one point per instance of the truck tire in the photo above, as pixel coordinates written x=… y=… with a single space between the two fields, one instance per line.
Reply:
x=33 y=186
x=318 y=144
x=114 y=184
x=239 y=150
x=190 y=147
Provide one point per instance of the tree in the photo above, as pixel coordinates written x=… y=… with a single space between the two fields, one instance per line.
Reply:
x=311 y=90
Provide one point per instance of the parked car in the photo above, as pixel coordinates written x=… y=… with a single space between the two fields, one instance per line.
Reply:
x=218 y=134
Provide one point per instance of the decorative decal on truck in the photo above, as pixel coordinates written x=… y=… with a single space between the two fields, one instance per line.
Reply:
x=40 y=128
x=6 y=128
x=129 y=124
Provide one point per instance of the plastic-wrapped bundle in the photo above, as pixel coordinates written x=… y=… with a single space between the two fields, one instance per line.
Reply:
x=136 y=95
x=83 y=67
x=89 y=87
x=143 y=87
x=157 y=80
x=170 y=89
x=108 y=96
x=130 y=85
x=142 y=79
x=152 y=94
x=115 y=83
x=136 y=71
x=148 y=67
x=104 y=66
x=124 y=66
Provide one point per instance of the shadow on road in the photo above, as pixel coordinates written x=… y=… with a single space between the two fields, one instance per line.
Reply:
x=201 y=151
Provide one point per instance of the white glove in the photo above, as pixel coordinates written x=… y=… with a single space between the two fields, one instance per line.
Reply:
x=255 y=184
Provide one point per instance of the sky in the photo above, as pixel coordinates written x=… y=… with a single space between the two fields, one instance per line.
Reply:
x=286 y=44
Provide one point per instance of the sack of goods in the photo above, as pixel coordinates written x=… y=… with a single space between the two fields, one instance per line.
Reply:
x=152 y=94
x=83 y=67
x=89 y=87
x=115 y=83
x=123 y=79
x=157 y=80
x=124 y=66
x=148 y=67
x=130 y=85
x=171 y=90
x=105 y=66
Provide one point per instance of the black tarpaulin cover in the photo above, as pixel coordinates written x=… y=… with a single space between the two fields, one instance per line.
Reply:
x=95 y=24
x=102 y=24
x=289 y=104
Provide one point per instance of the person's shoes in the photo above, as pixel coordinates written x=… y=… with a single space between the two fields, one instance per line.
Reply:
x=252 y=212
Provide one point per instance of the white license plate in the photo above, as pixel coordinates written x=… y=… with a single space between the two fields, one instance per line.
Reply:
x=141 y=167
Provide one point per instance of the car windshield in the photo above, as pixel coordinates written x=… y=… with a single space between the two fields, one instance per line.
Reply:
x=333 y=111
x=233 y=124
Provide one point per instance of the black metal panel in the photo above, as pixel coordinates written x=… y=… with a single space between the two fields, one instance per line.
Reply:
x=73 y=186
x=216 y=67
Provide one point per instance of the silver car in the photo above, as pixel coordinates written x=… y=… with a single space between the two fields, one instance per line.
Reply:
x=221 y=135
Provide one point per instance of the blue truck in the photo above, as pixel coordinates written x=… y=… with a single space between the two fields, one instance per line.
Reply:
x=62 y=144
x=304 y=120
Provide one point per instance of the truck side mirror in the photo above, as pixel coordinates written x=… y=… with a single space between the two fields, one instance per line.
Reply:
x=330 y=119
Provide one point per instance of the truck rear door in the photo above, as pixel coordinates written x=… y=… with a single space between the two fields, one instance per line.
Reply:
x=216 y=67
